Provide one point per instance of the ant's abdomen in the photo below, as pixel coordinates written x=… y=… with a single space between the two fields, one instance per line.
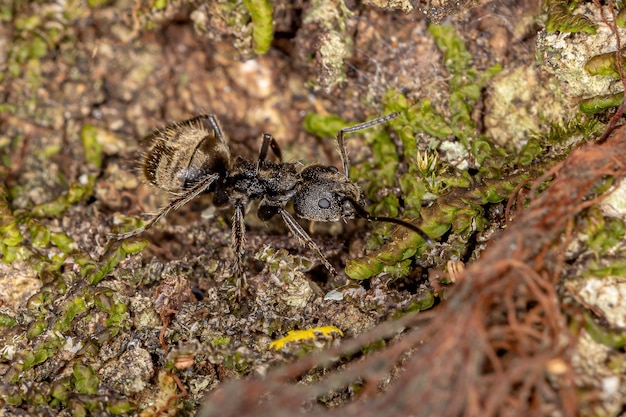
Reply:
x=185 y=153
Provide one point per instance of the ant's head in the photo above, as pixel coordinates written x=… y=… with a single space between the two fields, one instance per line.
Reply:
x=325 y=195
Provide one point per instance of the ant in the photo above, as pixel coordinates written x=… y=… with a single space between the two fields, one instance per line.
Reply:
x=192 y=157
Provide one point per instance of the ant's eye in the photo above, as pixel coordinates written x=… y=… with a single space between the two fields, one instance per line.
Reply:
x=323 y=203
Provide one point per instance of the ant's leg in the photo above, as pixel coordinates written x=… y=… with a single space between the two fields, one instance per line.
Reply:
x=276 y=149
x=342 y=144
x=174 y=204
x=305 y=239
x=238 y=238
x=268 y=142
x=267 y=138
x=213 y=124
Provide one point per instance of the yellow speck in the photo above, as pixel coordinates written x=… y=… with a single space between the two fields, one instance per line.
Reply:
x=299 y=335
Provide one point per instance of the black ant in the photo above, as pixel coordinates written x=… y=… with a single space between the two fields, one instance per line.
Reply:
x=192 y=157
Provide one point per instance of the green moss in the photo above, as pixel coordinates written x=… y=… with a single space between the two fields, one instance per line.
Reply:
x=7 y=321
x=220 y=341
x=72 y=308
x=238 y=361
x=530 y=151
x=35 y=50
x=63 y=242
x=40 y=234
x=581 y=126
x=373 y=347
x=59 y=392
x=118 y=406
x=379 y=171
x=85 y=379
x=604 y=65
x=159 y=4
x=603 y=233
x=425 y=301
x=40 y=300
x=363 y=268
x=97 y=3
x=118 y=315
x=324 y=126
x=600 y=104
x=41 y=353
x=92 y=143
x=422 y=118
x=37 y=398
x=616 y=269
x=465 y=82
x=48 y=266
x=9 y=231
x=262 y=24
x=76 y=193
x=6 y=12
x=621 y=18
x=36 y=328
x=10 y=235
x=27 y=22
x=103 y=299
x=561 y=18
x=35 y=36
x=95 y=272
x=11 y=394
x=77 y=408
x=124 y=224
x=233 y=14
x=615 y=339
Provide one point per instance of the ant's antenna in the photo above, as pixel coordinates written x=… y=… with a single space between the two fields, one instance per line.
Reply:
x=342 y=144
x=361 y=212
